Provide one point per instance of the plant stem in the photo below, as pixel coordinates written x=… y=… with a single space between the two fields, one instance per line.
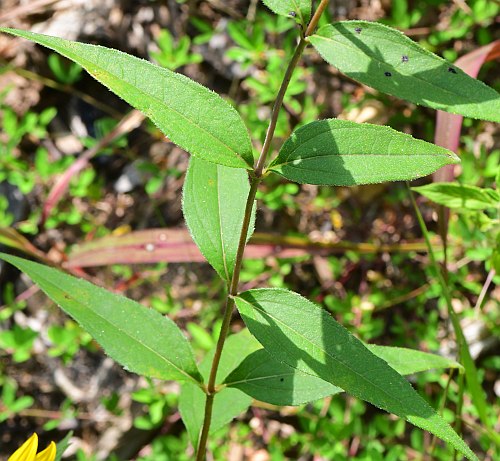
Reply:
x=226 y=321
x=284 y=85
x=465 y=358
x=277 y=106
x=254 y=184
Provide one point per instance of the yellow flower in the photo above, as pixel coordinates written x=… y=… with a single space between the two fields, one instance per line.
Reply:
x=27 y=451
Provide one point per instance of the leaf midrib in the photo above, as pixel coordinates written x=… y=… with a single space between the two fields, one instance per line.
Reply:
x=367 y=126
x=161 y=102
x=90 y=64
x=390 y=396
x=97 y=314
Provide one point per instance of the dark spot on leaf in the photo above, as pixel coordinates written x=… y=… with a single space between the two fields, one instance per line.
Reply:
x=387 y=74
x=282 y=379
x=453 y=71
x=404 y=58
x=358 y=30
x=292 y=14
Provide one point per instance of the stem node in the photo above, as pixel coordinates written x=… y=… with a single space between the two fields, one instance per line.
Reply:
x=256 y=177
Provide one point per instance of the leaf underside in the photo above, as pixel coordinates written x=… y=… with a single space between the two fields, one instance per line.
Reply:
x=461 y=196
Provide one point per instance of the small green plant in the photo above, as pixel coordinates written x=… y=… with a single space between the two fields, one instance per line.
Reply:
x=11 y=404
x=18 y=342
x=173 y=55
x=478 y=209
x=14 y=128
x=292 y=351
x=65 y=71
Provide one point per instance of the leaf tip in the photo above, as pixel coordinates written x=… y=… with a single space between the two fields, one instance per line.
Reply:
x=453 y=159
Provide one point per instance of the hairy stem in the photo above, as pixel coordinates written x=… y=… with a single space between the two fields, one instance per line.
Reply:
x=255 y=181
x=259 y=167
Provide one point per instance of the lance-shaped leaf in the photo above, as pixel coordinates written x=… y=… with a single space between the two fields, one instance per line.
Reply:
x=387 y=60
x=460 y=196
x=408 y=361
x=298 y=8
x=214 y=199
x=304 y=336
x=62 y=445
x=190 y=115
x=343 y=153
x=264 y=378
x=12 y=238
x=142 y=340
x=228 y=403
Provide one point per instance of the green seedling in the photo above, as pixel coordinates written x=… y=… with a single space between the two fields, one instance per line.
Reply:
x=10 y=404
x=292 y=350
x=172 y=54
x=18 y=342
x=157 y=403
x=64 y=71
x=66 y=340
x=14 y=129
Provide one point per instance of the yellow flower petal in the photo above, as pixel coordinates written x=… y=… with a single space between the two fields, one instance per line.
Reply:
x=27 y=451
x=49 y=454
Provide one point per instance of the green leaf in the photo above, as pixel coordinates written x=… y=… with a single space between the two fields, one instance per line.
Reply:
x=62 y=446
x=343 y=153
x=22 y=403
x=460 y=195
x=141 y=339
x=266 y=379
x=471 y=375
x=387 y=60
x=408 y=361
x=304 y=336
x=228 y=403
x=190 y=115
x=301 y=8
x=214 y=199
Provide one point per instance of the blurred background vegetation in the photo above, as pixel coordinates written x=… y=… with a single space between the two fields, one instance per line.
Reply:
x=76 y=166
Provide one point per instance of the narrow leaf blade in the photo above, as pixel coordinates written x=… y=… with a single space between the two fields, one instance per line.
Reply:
x=12 y=238
x=214 y=199
x=460 y=196
x=343 y=153
x=63 y=445
x=138 y=247
x=304 y=336
x=190 y=115
x=387 y=60
x=141 y=339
